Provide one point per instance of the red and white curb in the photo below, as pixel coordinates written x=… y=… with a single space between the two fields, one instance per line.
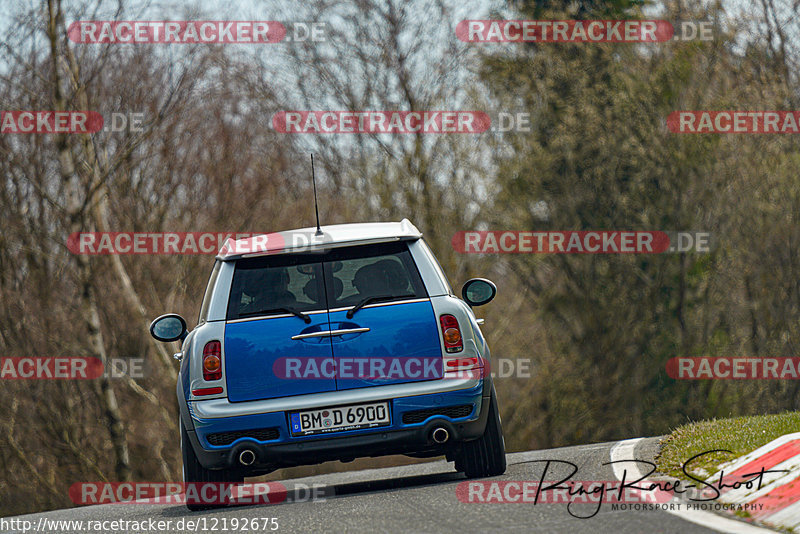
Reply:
x=624 y=452
x=777 y=501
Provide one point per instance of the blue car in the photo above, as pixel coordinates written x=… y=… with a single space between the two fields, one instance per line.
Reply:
x=348 y=342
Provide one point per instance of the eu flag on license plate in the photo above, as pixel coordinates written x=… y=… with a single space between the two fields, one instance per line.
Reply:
x=295 y=422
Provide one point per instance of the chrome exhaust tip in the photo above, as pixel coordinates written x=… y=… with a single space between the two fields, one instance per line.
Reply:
x=247 y=457
x=440 y=435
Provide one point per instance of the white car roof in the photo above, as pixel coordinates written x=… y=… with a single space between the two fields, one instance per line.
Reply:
x=306 y=240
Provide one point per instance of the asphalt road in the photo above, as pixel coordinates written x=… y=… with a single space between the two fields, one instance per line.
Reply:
x=414 y=498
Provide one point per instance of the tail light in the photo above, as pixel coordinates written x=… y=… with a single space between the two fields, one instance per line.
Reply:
x=462 y=363
x=206 y=391
x=212 y=362
x=451 y=333
x=471 y=368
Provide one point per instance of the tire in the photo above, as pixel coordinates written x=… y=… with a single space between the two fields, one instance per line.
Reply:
x=193 y=471
x=485 y=456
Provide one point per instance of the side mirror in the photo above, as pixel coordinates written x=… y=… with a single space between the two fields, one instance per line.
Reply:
x=169 y=327
x=478 y=291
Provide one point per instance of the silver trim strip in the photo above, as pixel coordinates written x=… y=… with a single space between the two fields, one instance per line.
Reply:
x=331 y=333
x=280 y=316
x=221 y=407
x=378 y=304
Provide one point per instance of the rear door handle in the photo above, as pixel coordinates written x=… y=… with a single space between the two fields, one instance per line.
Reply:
x=332 y=333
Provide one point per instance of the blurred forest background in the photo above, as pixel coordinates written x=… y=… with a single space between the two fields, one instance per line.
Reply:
x=599 y=328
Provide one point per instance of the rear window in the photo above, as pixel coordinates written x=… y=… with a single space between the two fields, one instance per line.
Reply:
x=275 y=285
x=385 y=272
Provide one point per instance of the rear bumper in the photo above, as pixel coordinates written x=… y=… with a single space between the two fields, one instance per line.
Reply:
x=282 y=450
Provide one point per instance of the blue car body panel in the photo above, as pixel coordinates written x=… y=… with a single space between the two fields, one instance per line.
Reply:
x=253 y=350
x=397 y=332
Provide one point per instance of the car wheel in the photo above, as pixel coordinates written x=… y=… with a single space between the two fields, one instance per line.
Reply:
x=193 y=471
x=485 y=456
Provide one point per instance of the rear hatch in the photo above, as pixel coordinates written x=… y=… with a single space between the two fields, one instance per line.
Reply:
x=273 y=300
x=378 y=291
x=309 y=323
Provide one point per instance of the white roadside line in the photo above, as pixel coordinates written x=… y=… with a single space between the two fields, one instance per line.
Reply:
x=624 y=450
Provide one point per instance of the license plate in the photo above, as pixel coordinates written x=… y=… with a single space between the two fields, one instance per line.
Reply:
x=339 y=419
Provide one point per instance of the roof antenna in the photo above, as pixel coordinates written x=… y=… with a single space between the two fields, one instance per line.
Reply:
x=314 y=181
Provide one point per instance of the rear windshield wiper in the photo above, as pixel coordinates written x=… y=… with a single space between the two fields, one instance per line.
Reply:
x=376 y=298
x=284 y=309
